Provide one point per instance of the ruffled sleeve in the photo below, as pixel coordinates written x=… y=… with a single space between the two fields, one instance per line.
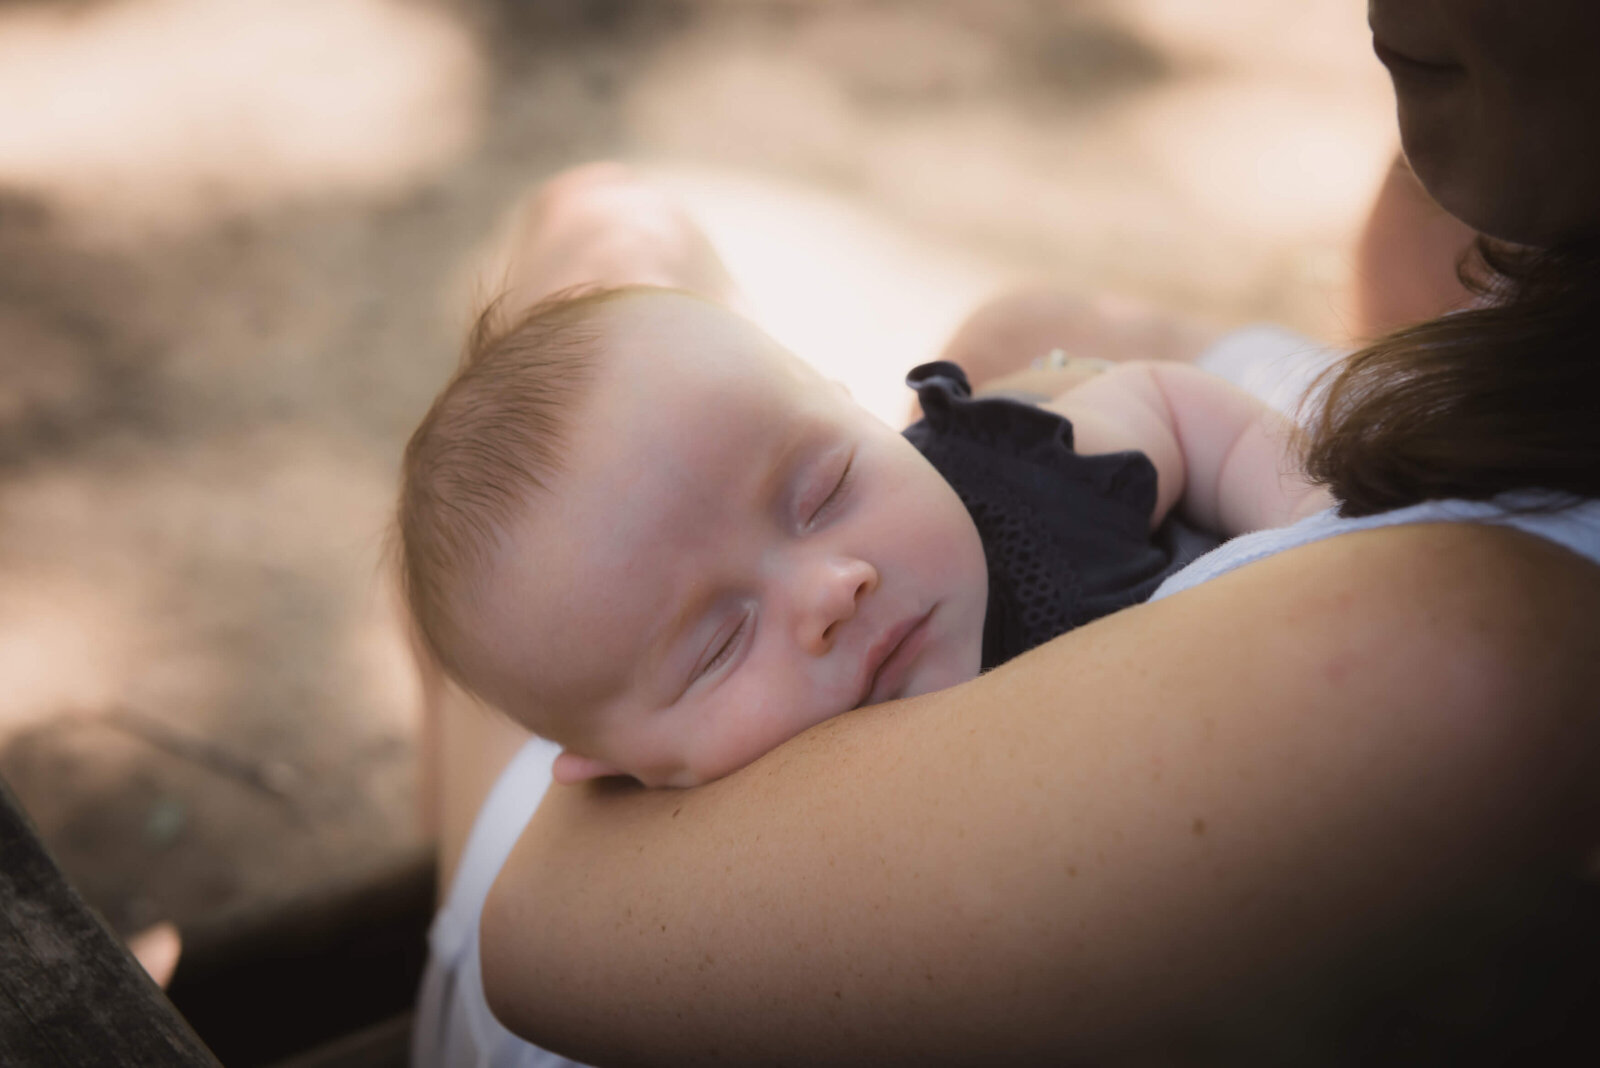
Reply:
x=1066 y=537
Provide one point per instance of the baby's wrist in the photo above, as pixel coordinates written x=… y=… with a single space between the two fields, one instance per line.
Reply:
x=1059 y=360
x=1046 y=378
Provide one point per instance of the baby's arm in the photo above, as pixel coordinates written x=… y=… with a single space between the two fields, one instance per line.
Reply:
x=1222 y=452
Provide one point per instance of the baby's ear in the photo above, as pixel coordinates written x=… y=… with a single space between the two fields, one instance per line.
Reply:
x=570 y=768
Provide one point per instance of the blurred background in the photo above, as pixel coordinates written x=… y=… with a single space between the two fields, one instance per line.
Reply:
x=236 y=243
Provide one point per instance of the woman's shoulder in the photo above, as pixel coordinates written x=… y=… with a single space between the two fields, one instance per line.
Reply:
x=1475 y=611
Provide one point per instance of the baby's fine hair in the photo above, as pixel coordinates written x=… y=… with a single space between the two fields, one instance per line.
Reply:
x=494 y=435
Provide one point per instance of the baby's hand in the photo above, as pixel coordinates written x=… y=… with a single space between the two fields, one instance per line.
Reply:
x=1048 y=378
x=1009 y=331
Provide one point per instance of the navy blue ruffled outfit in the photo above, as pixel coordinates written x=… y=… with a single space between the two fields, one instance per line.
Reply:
x=1066 y=537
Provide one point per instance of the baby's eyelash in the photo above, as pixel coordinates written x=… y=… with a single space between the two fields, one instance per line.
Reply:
x=728 y=648
x=838 y=491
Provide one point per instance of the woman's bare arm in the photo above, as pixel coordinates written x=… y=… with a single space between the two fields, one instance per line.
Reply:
x=1184 y=829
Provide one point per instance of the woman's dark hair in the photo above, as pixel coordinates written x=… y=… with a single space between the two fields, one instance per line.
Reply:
x=1501 y=397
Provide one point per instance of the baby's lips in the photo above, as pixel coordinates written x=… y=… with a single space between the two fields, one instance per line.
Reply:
x=892 y=650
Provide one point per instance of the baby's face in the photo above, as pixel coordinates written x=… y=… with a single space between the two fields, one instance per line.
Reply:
x=733 y=552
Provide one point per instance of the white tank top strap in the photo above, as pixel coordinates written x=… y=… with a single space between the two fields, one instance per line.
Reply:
x=1572 y=522
x=453 y=1025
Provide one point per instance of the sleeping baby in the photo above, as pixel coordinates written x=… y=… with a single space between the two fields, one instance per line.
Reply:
x=646 y=532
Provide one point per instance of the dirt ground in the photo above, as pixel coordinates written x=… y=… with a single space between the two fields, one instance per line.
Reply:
x=235 y=244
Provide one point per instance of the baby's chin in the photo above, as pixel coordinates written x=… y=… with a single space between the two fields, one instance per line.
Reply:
x=941 y=676
x=945 y=680
x=682 y=780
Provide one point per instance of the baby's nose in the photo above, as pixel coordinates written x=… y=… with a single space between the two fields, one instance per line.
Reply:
x=829 y=598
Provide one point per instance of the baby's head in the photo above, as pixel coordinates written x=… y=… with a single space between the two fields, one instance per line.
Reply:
x=648 y=533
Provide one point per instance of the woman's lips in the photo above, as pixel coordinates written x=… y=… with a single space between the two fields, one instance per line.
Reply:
x=889 y=660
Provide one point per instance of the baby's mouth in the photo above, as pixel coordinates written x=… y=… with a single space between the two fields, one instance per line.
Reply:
x=890 y=658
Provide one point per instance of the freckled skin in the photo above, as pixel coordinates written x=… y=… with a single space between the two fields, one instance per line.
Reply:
x=1337 y=668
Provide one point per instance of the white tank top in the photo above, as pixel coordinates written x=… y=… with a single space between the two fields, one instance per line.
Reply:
x=453 y=1025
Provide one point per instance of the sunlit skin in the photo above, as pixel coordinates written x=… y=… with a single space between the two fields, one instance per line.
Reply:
x=1387 y=739
x=1487 y=109
x=782 y=556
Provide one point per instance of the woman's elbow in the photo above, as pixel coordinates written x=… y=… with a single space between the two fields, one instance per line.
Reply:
x=523 y=980
x=503 y=980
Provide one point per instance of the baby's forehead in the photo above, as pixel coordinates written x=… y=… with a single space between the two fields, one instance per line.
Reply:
x=677 y=335
x=675 y=372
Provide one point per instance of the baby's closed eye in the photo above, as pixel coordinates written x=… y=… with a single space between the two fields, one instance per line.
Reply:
x=724 y=645
x=836 y=494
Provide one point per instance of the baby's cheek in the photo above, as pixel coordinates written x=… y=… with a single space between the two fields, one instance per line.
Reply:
x=748 y=723
x=787 y=714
